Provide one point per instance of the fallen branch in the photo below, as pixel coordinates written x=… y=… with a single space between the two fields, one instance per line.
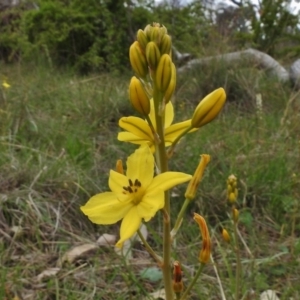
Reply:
x=261 y=60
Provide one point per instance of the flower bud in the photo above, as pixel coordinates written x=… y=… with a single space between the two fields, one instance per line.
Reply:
x=172 y=85
x=209 y=108
x=155 y=34
x=163 y=73
x=142 y=39
x=193 y=184
x=138 y=97
x=165 y=44
x=235 y=215
x=119 y=166
x=232 y=191
x=138 y=60
x=5 y=84
x=225 y=235
x=152 y=55
x=177 y=278
x=147 y=31
x=205 y=252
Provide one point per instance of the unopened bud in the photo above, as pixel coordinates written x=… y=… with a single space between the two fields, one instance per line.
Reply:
x=152 y=55
x=235 y=215
x=205 y=252
x=119 y=166
x=177 y=278
x=163 y=73
x=155 y=34
x=138 y=60
x=209 y=108
x=165 y=44
x=194 y=183
x=225 y=235
x=138 y=97
x=142 y=39
x=232 y=191
x=172 y=85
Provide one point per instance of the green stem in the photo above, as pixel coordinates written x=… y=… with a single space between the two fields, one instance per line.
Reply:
x=149 y=248
x=190 y=286
x=180 y=217
x=156 y=137
x=238 y=262
x=163 y=167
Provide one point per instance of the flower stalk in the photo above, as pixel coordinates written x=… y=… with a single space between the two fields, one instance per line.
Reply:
x=139 y=191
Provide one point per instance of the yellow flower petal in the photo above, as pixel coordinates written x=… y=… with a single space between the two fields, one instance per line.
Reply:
x=130 y=224
x=116 y=181
x=137 y=126
x=167 y=180
x=125 y=136
x=175 y=130
x=169 y=114
x=151 y=204
x=105 y=208
x=140 y=165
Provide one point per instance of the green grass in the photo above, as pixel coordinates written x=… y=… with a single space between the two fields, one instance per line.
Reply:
x=58 y=142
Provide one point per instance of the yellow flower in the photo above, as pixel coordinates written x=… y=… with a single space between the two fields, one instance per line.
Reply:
x=5 y=84
x=135 y=196
x=139 y=132
x=225 y=235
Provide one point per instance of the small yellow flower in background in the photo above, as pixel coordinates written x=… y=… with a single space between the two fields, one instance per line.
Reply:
x=135 y=196
x=205 y=252
x=139 y=132
x=194 y=183
x=225 y=235
x=5 y=84
x=235 y=215
x=209 y=108
x=232 y=191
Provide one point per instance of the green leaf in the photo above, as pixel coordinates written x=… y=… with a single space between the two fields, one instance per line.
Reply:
x=152 y=274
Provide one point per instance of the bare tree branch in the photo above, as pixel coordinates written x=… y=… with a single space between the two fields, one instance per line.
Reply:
x=261 y=60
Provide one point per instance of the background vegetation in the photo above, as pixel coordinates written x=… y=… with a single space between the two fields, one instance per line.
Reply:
x=68 y=69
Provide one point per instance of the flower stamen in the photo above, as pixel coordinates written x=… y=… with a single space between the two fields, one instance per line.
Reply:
x=132 y=187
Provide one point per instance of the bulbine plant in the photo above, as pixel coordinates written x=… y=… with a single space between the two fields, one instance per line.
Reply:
x=137 y=194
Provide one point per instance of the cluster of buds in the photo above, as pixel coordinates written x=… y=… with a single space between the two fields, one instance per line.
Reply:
x=232 y=191
x=150 y=58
